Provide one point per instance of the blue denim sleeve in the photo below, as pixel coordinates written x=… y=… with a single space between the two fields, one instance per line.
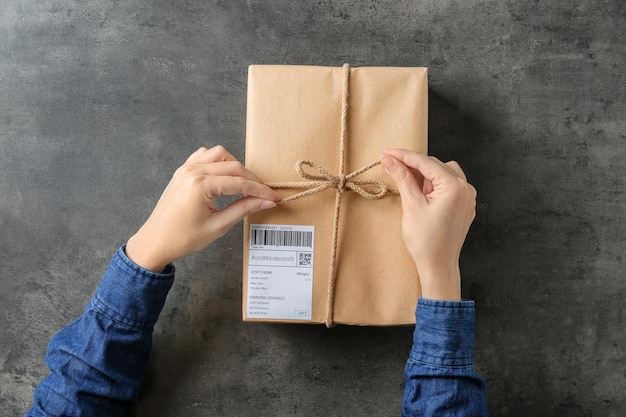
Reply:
x=439 y=378
x=98 y=361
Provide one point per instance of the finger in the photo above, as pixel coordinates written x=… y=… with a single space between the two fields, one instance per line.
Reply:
x=215 y=154
x=429 y=166
x=227 y=168
x=236 y=211
x=428 y=187
x=228 y=185
x=403 y=177
x=195 y=154
x=456 y=169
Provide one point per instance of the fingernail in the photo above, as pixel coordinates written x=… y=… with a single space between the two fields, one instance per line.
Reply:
x=267 y=205
x=387 y=162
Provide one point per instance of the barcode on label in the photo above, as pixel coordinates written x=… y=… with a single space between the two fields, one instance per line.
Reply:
x=261 y=237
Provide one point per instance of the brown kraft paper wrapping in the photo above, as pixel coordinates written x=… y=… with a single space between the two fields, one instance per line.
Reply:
x=294 y=113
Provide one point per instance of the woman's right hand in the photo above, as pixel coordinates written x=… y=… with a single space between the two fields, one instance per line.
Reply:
x=438 y=207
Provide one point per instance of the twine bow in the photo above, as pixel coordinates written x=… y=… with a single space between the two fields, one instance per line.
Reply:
x=340 y=183
x=373 y=189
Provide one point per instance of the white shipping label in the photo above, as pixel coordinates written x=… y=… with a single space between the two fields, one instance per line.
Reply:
x=280 y=272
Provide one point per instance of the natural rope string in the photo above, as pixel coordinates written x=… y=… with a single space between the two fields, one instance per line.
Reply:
x=373 y=189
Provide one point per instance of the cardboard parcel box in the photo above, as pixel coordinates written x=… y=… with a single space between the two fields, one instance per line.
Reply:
x=297 y=113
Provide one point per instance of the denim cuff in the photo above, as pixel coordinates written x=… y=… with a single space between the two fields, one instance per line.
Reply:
x=132 y=295
x=444 y=333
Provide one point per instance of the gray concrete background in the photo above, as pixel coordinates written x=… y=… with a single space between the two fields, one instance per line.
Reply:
x=100 y=101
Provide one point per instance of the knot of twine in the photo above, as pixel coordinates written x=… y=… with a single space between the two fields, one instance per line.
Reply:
x=370 y=189
x=373 y=189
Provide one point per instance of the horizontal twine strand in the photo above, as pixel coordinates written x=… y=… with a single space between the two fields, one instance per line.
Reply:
x=369 y=189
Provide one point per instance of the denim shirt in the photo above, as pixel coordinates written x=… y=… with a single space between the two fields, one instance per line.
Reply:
x=98 y=361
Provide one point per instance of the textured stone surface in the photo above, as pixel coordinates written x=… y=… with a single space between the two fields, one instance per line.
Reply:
x=100 y=101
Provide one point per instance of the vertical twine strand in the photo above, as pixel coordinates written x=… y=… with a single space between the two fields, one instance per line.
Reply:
x=373 y=190
x=330 y=307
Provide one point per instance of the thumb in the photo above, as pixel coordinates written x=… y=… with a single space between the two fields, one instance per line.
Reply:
x=235 y=212
x=403 y=177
